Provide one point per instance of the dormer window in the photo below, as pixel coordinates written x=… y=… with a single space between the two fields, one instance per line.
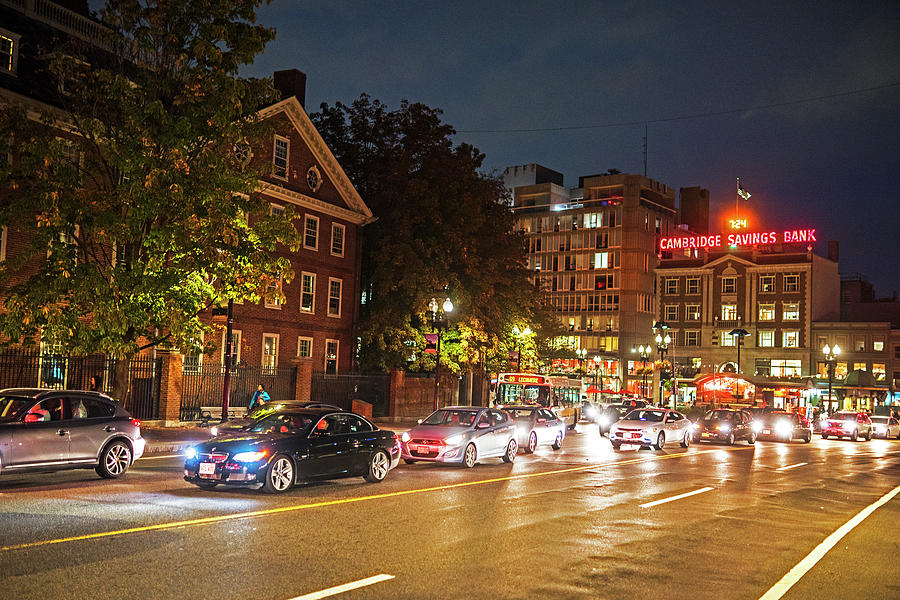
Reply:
x=9 y=52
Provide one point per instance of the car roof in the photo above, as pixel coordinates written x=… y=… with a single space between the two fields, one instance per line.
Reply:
x=473 y=408
x=42 y=392
x=520 y=406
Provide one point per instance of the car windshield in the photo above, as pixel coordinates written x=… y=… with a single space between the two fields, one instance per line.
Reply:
x=10 y=406
x=282 y=423
x=718 y=415
x=655 y=416
x=264 y=411
x=451 y=418
x=521 y=414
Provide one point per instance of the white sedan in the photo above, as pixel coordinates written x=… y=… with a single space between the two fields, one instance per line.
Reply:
x=886 y=427
x=654 y=427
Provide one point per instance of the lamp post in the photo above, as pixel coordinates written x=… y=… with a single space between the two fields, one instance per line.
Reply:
x=597 y=361
x=831 y=355
x=438 y=324
x=519 y=335
x=582 y=353
x=740 y=334
x=662 y=347
x=644 y=351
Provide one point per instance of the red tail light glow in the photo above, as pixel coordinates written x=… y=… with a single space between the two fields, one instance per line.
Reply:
x=136 y=422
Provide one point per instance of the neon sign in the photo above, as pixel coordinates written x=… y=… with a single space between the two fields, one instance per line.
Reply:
x=737 y=223
x=709 y=242
x=535 y=379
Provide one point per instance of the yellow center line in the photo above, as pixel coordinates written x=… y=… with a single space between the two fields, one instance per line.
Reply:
x=323 y=503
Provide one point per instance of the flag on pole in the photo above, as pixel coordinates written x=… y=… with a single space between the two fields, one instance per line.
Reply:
x=741 y=191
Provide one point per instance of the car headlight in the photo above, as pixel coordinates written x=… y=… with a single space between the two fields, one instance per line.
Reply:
x=248 y=457
x=455 y=440
x=604 y=420
x=404 y=437
x=725 y=428
x=756 y=426
x=784 y=427
x=190 y=453
x=214 y=431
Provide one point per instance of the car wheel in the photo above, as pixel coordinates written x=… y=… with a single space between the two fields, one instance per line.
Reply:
x=854 y=436
x=511 y=448
x=752 y=439
x=557 y=443
x=687 y=439
x=616 y=446
x=807 y=438
x=408 y=461
x=280 y=475
x=661 y=440
x=824 y=436
x=898 y=434
x=379 y=465
x=470 y=457
x=114 y=460
x=730 y=440
x=869 y=435
x=532 y=443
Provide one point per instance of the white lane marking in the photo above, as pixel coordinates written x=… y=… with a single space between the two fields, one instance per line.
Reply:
x=157 y=457
x=678 y=497
x=801 y=568
x=789 y=467
x=340 y=589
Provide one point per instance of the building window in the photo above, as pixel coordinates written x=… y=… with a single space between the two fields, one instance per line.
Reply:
x=859 y=344
x=311 y=232
x=308 y=292
x=337 y=239
x=692 y=337
x=334 y=297
x=790 y=339
x=729 y=285
x=314 y=178
x=786 y=367
x=9 y=52
x=767 y=283
x=671 y=312
x=276 y=210
x=269 y=352
x=671 y=285
x=792 y=283
x=791 y=311
x=726 y=339
x=766 y=339
x=729 y=312
x=877 y=345
x=193 y=360
x=331 y=356
x=601 y=260
x=692 y=312
x=273 y=294
x=767 y=312
x=280 y=157
x=878 y=371
x=692 y=286
x=235 y=348
x=859 y=366
x=304 y=347
x=3 y=231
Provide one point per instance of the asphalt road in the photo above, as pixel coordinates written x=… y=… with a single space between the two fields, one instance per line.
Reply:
x=566 y=524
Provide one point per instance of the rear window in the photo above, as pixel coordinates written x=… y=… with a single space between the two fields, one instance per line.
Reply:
x=655 y=416
x=718 y=415
x=880 y=420
x=844 y=416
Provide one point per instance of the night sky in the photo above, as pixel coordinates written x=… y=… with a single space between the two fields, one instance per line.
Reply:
x=832 y=164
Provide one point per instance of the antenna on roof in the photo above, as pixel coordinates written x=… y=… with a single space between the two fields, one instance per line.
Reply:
x=645 y=149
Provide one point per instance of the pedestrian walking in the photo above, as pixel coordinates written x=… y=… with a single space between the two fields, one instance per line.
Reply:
x=260 y=397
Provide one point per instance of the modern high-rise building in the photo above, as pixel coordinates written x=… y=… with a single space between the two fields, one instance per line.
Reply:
x=593 y=250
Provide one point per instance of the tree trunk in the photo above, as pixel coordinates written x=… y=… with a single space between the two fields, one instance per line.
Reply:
x=122 y=381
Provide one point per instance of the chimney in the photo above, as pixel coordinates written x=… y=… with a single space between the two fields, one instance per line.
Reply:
x=833 y=251
x=291 y=82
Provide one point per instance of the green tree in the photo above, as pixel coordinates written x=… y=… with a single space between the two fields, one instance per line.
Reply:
x=138 y=182
x=443 y=224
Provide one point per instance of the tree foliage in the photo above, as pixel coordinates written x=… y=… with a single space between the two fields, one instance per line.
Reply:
x=443 y=226
x=139 y=210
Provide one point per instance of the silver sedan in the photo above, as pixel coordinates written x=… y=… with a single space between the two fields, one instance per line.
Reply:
x=462 y=435
x=656 y=427
x=536 y=426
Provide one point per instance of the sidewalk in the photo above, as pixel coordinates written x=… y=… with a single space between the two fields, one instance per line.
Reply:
x=172 y=440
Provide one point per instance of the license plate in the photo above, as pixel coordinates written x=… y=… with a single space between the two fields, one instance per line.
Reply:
x=630 y=446
x=635 y=436
x=704 y=434
x=767 y=431
x=424 y=450
x=207 y=468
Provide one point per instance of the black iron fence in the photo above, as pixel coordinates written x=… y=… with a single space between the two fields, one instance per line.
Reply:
x=202 y=386
x=33 y=369
x=342 y=388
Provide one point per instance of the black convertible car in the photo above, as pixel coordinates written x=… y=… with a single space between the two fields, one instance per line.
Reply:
x=277 y=451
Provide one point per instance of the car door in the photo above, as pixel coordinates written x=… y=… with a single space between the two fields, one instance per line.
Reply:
x=363 y=442
x=485 y=442
x=42 y=437
x=504 y=430
x=330 y=449
x=92 y=423
x=549 y=428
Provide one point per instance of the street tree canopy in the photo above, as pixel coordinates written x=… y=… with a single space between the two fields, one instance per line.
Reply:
x=443 y=228
x=135 y=188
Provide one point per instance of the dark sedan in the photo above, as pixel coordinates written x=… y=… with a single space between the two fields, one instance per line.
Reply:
x=783 y=427
x=264 y=410
x=52 y=430
x=725 y=425
x=278 y=451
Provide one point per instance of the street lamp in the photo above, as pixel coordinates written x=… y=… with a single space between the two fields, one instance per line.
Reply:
x=438 y=324
x=597 y=361
x=662 y=347
x=519 y=335
x=831 y=355
x=582 y=353
x=741 y=334
x=644 y=351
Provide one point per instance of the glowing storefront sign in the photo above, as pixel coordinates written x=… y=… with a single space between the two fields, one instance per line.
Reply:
x=533 y=379
x=708 y=242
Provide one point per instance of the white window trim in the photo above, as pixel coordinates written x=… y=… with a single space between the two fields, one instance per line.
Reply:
x=784 y=338
x=277 y=303
x=262 y=349
x=343 y=228
x=237 y=351
x=273 y=207
x=687 y=290
x=300 y=339
x=312 y=310
x=3 y=231
x=185 y=368
x=795 y=279
x=771 y=340
x=340 y=297
x=75 y=235
x=337 y=355
x=307 y=218
x=14 y=38
x=287 y=160
x=784 y=311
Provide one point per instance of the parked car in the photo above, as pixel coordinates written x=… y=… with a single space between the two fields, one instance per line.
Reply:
x=461 y=435
x=645 y=427
x=536 y=426
x=51 y=430
x=783 y=427
x=265 y=410
x=279 y=450
x=853 y=425
x=725 y=425
x=886 y=427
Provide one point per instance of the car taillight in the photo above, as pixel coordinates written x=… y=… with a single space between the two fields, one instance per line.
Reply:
x=136 y=423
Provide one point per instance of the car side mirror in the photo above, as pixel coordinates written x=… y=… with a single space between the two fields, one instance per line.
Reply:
x=33 y=418
x=541 y=420
x=419 y=422
x=482 y=425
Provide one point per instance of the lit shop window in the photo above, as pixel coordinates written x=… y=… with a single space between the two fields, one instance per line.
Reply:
x=791 y=311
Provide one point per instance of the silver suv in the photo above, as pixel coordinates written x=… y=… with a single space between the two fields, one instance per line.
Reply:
x=52 y=430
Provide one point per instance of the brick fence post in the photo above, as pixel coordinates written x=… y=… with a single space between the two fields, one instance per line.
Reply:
x=397 y=393
x=170 y=386
x=303 y=390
